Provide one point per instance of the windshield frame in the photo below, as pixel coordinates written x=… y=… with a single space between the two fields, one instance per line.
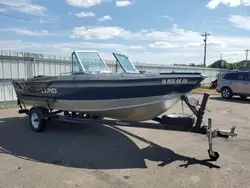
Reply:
x=136 y=71
x=107 y=70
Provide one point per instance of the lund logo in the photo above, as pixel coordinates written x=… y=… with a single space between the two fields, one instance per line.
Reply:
x=49 y=90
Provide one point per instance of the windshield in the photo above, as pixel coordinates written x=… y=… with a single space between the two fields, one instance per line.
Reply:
x=92 y=62
x=126 y=65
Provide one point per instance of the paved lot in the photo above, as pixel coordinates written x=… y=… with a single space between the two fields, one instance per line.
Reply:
x=70 y=155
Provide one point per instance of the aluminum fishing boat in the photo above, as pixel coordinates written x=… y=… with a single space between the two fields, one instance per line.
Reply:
x=91 y=88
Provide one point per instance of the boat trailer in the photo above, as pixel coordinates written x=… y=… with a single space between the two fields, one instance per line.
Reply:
x=39 y=116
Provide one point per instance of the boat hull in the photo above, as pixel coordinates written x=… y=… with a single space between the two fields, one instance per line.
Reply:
x=136 y=97
x=132 y=109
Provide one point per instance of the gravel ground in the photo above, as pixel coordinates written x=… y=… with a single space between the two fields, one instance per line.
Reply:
x=73 y=155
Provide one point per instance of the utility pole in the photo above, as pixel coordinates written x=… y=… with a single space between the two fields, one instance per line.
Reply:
x=205 y=49
x=222 y=62
x=247 y=50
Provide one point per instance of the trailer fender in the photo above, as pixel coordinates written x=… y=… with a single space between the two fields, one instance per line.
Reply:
x=43 y=112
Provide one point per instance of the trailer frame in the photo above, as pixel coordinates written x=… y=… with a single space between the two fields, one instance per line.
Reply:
x=39 y=116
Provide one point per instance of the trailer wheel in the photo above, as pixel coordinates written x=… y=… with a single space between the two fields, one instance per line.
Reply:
x=36 y=120
x=214 y=155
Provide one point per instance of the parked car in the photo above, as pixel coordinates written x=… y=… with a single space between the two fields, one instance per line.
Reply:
x=234 y=83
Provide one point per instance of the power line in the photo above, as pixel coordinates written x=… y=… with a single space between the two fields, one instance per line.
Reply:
x=30 y=21
x=91 y=31
x=16 y=17
x=205 y=48
x=234 y=45
x=62 y=26
x=229 y=42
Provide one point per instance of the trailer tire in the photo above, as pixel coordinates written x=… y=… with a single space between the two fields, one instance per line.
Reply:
x=37 y=123
x=178 y=120
x=214 y=155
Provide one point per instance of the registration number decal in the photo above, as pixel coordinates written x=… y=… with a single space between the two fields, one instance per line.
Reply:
x=173 y=80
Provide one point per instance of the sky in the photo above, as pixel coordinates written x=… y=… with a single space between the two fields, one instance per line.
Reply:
x=147 y=31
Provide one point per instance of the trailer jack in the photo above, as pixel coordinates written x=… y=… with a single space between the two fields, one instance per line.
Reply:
x=210 y=132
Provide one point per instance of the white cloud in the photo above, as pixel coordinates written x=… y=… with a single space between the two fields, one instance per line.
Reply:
x=123 y=3
x=24 y=6
x=168 y=17
x=32 y=9
x=105 y=33
x=193 y=44
x=231 y=3
x=43 y=21
x=233 y=53
x=67 y=47
x=246 y=2
x=84 y=3
x=176 y=40
x=85 y=14
x=139 y=53
x=214 y=42
x=162 y=44
x=47 y=20
x=11 y=44
x=238 y=21
x=15 y=2
x=99 y=33
x=213 y=3
x=2 y=10
x=23 y=31
x=136 y=47
x=178 y=45
x=91 y=45
x=105 y=18
x=185 y=42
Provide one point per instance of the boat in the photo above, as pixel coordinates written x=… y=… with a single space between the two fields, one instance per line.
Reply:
x=91 y=94
x=92 y=88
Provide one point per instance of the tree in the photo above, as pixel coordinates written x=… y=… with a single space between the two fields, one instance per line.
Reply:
x=189 y=65
x=222 y=64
